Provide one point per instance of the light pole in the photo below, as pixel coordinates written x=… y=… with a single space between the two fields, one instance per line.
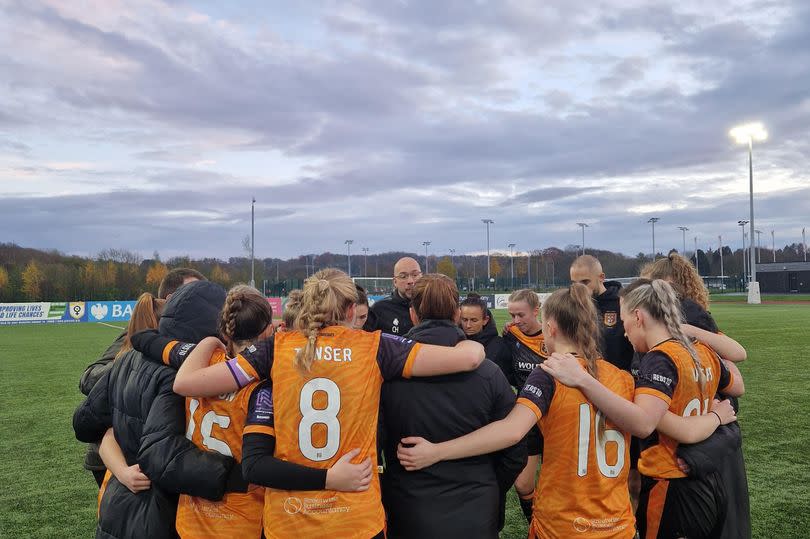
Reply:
x=743 y=134
x=653 y=220
x=426 y=243
x=759 y=245
x=742 y=224
x=804 y=245
x=684 y=230
x=488 y=222
x=722 y=280
x=773 y=246
x=348 y=257
x=252 y=240
x=697 y=265
x=745 y=252
x=512 y=262
x=529 y=268
x=582 y=226
x=453 y=260
x=365 y=261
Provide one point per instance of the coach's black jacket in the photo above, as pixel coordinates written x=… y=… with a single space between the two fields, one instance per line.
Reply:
x=135 y=397
x=457 y=498
x=496 y=349
x=390 y=315
x=615 y=347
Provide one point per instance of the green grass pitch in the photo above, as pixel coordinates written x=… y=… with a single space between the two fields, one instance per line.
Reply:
x=47 y=493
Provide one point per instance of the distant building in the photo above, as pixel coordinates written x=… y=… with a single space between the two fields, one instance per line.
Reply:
x=784 y=277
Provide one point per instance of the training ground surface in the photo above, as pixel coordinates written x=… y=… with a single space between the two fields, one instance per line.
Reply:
x=47 y=493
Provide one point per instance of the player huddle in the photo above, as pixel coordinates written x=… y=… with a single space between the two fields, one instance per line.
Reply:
x=402 y=420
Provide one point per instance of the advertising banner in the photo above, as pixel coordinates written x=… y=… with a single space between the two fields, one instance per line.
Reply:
x=110 y=311
x=42 y=313
x=277 y=304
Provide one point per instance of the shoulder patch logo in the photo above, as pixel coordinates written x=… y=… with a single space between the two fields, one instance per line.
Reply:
x=610 y=318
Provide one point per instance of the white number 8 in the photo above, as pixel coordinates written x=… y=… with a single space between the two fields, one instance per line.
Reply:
x=326 y=416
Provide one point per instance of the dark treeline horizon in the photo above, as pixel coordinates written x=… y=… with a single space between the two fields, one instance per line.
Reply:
x=28 y=274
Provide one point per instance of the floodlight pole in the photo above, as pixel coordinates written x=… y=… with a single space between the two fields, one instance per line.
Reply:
x=365 y=261
x=742 y=224
x=773 y=246
x=722 y=277
x=582 y=226
x=488 y=222
x=684 y=230
x=697 y=265
x=759 y=246
x=252 y=240
x=512 y=262
x=804 y=245
x=348 y=257
x=426 y=243
x=653 y=220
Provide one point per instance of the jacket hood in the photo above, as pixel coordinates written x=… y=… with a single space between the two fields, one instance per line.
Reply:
x=192 y=312
x=611 y=292
x=440 y=332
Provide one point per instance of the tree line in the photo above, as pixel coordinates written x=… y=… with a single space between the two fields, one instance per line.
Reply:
x=28 y=274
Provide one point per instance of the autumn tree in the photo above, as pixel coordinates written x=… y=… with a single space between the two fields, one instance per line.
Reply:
x=494 y=267
x=33 y=279
x=446 y=267
x=219 y=275
x=3 y=279
x=155 y=275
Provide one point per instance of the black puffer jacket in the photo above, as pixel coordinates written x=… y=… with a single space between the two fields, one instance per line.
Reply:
x=455 y=498
x=135 y=397
x=496 y=349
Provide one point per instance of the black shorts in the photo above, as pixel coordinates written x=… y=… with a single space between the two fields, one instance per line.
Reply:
x=672 y=508
x=534 y=441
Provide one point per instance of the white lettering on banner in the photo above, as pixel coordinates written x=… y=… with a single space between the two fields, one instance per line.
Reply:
x=122 y=310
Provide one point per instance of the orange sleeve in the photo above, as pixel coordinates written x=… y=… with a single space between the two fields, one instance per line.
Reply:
x=531 y=406
x=259 y=429
x=407 y=370
x=167 y=351
x=653 y=393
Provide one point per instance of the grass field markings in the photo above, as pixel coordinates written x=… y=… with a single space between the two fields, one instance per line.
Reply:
x=112 y=326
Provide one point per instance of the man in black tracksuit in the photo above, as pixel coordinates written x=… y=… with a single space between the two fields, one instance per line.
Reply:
x=615 y=347
x=390 y=315
x=455 y=498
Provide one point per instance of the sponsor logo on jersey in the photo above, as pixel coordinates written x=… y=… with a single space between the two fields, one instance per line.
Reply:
x=76 y=310
x=529 y=388
x=610 y=318
x=293 y=505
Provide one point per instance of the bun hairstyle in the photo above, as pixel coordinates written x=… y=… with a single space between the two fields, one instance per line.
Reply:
x=435 y=297
x=145 y=315
x=326 y=297
x=292 y=307
x=245 y=316
x=681 y=274
x=525 y=294
x=576 y=317
x=658 y=298
x=474 y=300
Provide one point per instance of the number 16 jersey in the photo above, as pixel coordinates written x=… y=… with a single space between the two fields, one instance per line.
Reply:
x=320 y=415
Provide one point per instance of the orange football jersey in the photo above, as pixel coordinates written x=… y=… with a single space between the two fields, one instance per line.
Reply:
x=216 y=424
x=320 y=415
x=668 y=372
x=582 y=489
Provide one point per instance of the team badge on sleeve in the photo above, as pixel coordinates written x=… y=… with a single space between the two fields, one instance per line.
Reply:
x=610 y=318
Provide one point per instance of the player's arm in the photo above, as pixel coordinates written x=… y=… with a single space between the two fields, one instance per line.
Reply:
x=130 y=476
x=161 y=349
x=694 y=429
x=432 y=360
x=196 y=378
x=731 y=380
x=415 y=453
x=261 y=467
x=638 y=418
x=725 y=346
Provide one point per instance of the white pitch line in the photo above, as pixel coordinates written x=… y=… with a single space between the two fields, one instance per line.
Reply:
x=110 y=325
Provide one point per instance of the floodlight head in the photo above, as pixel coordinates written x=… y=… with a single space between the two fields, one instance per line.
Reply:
x=742 y=222
x=746 y=133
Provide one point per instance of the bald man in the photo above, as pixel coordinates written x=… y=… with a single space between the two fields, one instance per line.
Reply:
x=587 y=270
x=391 y=315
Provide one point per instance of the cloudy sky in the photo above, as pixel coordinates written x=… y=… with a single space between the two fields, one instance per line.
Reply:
x=150 y=125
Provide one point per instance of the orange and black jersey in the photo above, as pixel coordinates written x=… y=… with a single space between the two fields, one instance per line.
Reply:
x=583 y=481
x=528 y=351
x=668 y=372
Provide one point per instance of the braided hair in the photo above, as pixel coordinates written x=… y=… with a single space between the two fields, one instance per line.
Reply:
x=245 y=316
x=326 y=297
x=659 y=299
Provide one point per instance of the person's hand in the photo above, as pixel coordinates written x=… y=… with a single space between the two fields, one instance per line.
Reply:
x=344 y=476
x=415 y=453
x=474 y=350
x=566 y=369
x=683 y=466
x=134 y=479
x=213 y=343
x=506 y=328
x=724 y=410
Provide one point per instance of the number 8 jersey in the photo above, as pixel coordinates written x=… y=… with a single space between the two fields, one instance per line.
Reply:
x=320 y=415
